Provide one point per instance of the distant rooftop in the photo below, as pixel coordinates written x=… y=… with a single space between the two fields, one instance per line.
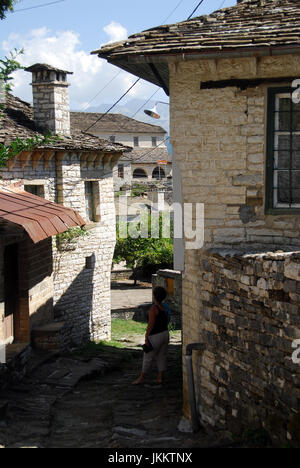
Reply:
x=17 y=121
x=111 y=123
x=147 y=155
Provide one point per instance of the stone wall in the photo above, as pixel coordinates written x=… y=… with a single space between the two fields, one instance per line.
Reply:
x=129 y=169
x=2 y=306
x=145 y=140
x=219 y=143
x=52 y=107
x=248 y=318
x=35 y=287
x=126 y=180
x=81 y=277
x=172 y=281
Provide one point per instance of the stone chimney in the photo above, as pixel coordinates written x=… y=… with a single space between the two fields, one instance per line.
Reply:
x=51 y=104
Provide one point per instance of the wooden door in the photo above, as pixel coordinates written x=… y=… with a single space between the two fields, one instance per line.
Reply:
x=11 y=289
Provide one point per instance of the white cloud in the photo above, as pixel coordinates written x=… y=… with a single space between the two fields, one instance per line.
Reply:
x=63 y=49
x=115 y=31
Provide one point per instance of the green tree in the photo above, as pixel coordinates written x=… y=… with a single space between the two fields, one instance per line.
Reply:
x=8 y=65
x=144 y=253
x=5 y=6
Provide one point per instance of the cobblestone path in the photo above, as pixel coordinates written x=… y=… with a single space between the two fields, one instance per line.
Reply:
x=78 y=402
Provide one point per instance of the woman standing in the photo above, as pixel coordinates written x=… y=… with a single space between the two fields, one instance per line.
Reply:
x=157 y=337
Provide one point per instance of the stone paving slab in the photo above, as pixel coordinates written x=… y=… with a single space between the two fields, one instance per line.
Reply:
x=71 y=401
x=126 y=296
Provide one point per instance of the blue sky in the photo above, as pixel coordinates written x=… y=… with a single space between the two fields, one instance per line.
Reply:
x=65 y=33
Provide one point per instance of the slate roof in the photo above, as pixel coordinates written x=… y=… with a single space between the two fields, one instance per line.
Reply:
x=17 y=121
x=44 y=66
x=250 y=26
x=112 y=123
x=147 y=155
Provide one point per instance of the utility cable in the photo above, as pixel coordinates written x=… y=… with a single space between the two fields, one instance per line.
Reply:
x=101 y=90
x=177 y=6
x=114 y=105
x=39 y=6
x=194 y=11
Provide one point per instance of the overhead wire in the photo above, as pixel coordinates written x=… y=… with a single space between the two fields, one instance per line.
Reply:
x=86 y=106
x=194 y=11
x=107 y=112
x=173 y=11
x=114 y=105
x=39 y=6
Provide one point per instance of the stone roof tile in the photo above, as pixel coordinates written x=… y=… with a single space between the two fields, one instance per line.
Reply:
x=16 y=121
x=250 y=24
x=112 y=123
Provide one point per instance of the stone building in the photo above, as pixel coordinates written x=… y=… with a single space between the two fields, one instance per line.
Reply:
x=148 y=161
x=74 y=171
x=27 y=224
x=235 y=136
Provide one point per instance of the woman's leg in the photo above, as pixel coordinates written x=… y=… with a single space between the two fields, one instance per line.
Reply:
x=161 y=356
x=147 y=360
x=139 y=380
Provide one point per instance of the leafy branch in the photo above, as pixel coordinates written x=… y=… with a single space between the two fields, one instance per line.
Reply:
x=18 y=145
x=8 y=66
x=72 y=233
x=5 y=5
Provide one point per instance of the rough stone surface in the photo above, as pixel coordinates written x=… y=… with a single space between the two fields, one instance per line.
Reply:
x=248 y=316
x=219 y=143
x=78 y=288
x=244 y=310
x=68 y=402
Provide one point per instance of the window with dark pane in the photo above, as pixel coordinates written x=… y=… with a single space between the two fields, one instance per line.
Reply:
x=90 y=201
x=121 y=171
x=283 y=164
x=37 y=190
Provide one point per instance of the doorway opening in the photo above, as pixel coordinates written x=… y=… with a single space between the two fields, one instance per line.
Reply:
x=11 y=291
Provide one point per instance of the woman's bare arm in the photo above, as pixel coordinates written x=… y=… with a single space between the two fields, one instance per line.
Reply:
x=151 y=321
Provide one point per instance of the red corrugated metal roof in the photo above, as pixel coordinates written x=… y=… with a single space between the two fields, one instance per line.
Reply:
x=39 y=217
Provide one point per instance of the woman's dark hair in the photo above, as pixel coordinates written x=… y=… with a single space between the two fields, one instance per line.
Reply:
x=160 y=294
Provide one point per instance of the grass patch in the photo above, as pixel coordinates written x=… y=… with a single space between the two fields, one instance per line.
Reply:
x=122 y=332
x=124 y=329
x=111 y=350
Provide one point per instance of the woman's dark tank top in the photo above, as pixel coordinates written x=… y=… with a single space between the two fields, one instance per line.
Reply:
x=161 y=322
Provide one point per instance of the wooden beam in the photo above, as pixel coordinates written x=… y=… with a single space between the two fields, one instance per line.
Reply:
x=35 y=157
x=114 y=160
x=59 y=155
x=48 y=155
x=243 y=84
x=98 y=160
x=11 y=164
x=24 y=158
x=91 y=158
x=83 y=159
x=106 y=160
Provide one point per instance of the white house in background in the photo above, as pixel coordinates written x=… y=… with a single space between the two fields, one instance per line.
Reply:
x=149 y=160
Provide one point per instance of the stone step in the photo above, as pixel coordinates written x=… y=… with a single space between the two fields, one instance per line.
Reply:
x=50 y=337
